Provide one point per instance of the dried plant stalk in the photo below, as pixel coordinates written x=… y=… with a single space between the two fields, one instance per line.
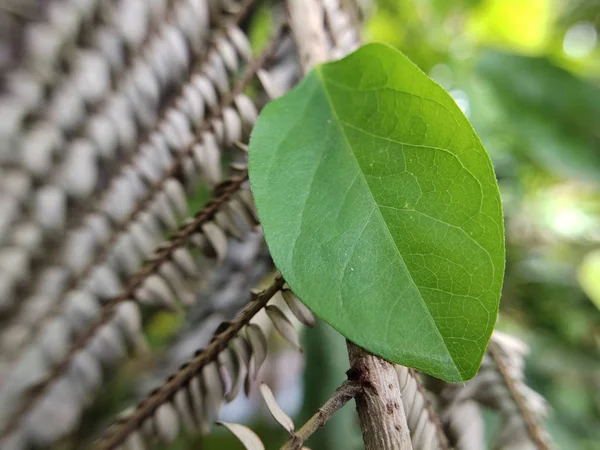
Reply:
x=531 y=422
x=121 y=430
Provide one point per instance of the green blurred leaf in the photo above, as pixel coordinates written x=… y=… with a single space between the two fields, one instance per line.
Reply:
x=589 y=276
x=260 y=27
x=556 y=114
x=163 y=327
x=381 y=209
x=522 y=25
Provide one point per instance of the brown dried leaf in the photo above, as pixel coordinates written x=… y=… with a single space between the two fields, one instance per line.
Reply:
x=281 y=417
x=176 y=195
x=135 y=442
x=129 y=318
x=240 y=216
x=184 y=406
x=270 y=88
x=219 y=130
x=217 y=239
x=191 y=175
x=242 y=349
x=228 y=53
x=283 y=325
x=185 y=262
x=247 y=110
x=166 y=422
x=246 y=436
x=211 y=159
x=224 y=221
x=233 y=125
x=197 y=404
x=258 y=343
x=207 y=91
x=231 y=364
x=245 y=197
x=217 y=73
x=299 y=309
x=173 y=276
x=155 y=291
x=214 y=389
x=163 y=209
x=198 y=240
x=240 y=41
x=142 y=239
x=194 y=105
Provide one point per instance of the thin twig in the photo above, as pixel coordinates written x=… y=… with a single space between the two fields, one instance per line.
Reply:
x=342 y=395
x=534 y=431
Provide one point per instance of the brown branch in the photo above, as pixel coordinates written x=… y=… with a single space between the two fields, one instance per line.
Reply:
x=120 y=430
x=379 y=406
x=342 y=395
x=535 y=432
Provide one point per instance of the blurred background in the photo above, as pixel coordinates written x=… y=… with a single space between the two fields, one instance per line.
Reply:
x=527 y=74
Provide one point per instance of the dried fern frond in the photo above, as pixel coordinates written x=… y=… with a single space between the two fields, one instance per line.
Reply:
x=245 y=435
x=135 y=234
x=63 y=150
x=147 y=286
x=426 y=430
x=137 y=187
x=500 y=386
x=464 y=425
x=196 y=391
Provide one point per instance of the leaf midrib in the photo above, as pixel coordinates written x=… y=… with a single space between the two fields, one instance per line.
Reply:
x=339 y=123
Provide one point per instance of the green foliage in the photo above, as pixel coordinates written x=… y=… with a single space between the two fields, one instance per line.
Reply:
x=589 y=274
x=558 y=130
x=381 y=209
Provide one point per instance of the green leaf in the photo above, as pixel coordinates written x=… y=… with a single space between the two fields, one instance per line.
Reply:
x=381 y=210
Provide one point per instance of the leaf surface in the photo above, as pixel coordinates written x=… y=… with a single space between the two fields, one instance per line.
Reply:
x=381 y=209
